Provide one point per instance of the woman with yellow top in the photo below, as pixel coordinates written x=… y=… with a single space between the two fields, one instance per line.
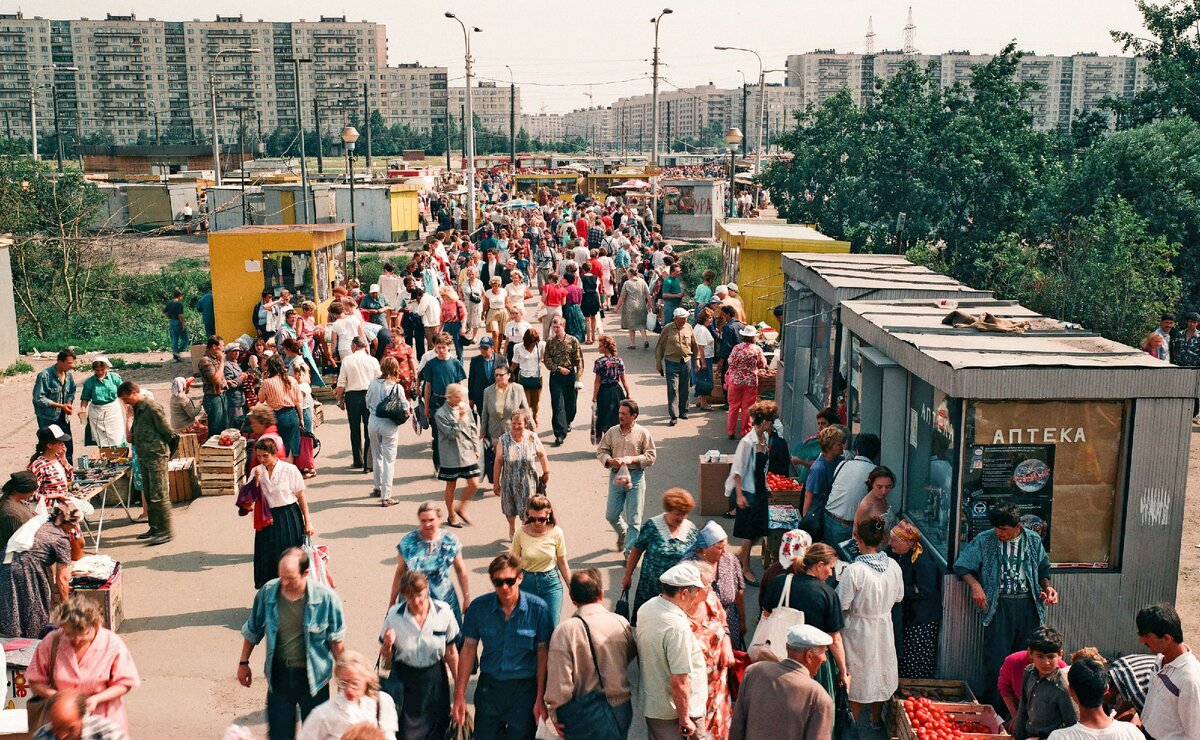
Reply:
x=541 y=547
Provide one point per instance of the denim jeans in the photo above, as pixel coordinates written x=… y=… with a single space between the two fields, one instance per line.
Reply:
x=179 y=336
x=218 y=414
x=627 y=502
x=548 y=585
x=835 y=531
x=383 y=436
x=677 y=386
x=454 y=329
x=288 y=692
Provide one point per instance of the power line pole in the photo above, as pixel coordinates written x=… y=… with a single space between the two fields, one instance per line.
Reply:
x=296 y=62
x=654 y=103
x=317 y=127
x=367 y=127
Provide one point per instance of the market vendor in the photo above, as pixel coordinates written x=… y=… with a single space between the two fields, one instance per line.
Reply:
x=54 y=395
x=50 y=464
x=105 y=422
x=1008 y=573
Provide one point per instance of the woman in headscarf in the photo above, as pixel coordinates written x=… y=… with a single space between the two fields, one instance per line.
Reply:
x=728 y=583
x=922 y=605
x=25 y=587
x=106 y=419
x=708 y=621
x=184 y=411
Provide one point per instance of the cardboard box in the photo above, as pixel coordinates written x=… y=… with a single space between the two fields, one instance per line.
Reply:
x=713 y=501
x=109 y=599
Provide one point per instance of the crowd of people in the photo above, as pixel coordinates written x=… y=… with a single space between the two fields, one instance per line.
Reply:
x=461 y=341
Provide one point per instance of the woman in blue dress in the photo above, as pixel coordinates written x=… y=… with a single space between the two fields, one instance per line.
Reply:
x=433 y=552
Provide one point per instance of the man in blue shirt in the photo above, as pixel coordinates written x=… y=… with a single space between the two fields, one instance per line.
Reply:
x=515 y=630
x=204 y=307
x=303 y=623
x=54 y=396
x=819 y=482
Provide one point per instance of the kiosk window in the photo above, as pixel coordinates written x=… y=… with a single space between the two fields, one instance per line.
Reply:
x=933 y=419
x=1059 y=462
x=820 y=374
x=291 y=271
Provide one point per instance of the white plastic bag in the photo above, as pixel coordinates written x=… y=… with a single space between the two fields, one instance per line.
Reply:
x=770 y=637
x=651 y=321
x=546 y=731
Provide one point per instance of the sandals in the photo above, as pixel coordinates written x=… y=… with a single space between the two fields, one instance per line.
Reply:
x=456 y=525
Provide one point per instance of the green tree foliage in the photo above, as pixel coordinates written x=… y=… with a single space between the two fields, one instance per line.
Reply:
x=1173 y=63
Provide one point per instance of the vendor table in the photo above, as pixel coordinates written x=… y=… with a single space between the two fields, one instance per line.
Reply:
x=117 y=479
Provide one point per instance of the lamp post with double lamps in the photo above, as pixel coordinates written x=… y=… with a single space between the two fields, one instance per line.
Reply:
x=733 y=137
x=654 y=106
x=469 y=124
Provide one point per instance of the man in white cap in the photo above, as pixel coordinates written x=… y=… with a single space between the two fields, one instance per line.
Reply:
x=674 y=685
x=731 y=298
x=781 y=700
x=675 y=351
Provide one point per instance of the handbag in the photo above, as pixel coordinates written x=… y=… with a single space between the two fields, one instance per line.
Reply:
x=622 y=605
x=589 y=715
x=393 y=407
x=37 y=709
x=770 y=636
x=844 y=725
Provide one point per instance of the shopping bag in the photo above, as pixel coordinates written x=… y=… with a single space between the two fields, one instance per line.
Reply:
x=770 y=637
x=465 y=731
x=546 y=731
x=318 y=563
x=651 y=321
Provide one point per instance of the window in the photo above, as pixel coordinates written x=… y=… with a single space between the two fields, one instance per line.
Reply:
x=933 y=421
x=820 y=372
x=1059 y=462
x=288 y=270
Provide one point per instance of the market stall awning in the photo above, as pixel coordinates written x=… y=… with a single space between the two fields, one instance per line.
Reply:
x=631 y=185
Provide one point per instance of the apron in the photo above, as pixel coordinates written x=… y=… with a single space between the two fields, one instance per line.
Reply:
x=107 y=424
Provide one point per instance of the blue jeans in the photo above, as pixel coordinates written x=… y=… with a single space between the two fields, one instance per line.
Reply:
x=218 y=414
x=677 y=386
x=627 y=502
x=835 y=531
x=454 y=329
x=179 y=336
x=548 y=585
x=287 y=421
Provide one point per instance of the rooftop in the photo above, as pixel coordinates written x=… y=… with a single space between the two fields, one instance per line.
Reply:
x=867 y=272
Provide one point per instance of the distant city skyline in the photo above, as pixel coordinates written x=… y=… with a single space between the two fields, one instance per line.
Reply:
x=563 y=52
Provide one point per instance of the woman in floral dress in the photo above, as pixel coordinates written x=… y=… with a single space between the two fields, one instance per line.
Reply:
x=515 y=473
x=660 y=544
x=433 y=552
x=610 y=387
x=708 y=622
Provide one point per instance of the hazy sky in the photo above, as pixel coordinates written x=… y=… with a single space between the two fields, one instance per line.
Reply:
x=561 y=50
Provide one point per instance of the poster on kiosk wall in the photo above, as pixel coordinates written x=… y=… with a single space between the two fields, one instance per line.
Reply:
x=1018 y=474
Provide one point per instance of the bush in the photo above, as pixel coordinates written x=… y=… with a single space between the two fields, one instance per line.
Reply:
x=694 y=262
x=18 y=368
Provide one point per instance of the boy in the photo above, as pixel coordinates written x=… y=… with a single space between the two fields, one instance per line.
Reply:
x=1045 y=697
x=1088 y=680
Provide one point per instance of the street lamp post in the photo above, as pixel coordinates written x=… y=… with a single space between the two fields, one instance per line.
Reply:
x=212 y=81
x=733 y=137
x=296 y=62
x=349 y=136
x=469 y=125
x=762 y=99
x=512 y=121
x=654 y=106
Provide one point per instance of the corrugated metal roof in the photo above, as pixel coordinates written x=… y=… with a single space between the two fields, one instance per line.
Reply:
x=259 y=228
x=866 y=271
x=775 y=229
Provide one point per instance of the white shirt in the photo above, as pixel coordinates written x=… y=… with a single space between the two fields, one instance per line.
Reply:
x=529 y=362
x=280 y=486
x=331 y=719
x=1167 y=716
x=420 y=647
x=1115 y=731
x=390 y=288
x=705 y=340
x=581 y=254
x=346 y=329
x=430 y=311
x=514 y=331
x=358 y=370
x=496 y=301
x=849 y=487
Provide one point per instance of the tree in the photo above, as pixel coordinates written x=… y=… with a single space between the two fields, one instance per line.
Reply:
x=524 y=143
x=1173 y=63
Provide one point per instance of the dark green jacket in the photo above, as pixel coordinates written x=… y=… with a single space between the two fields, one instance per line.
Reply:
x=151 y=432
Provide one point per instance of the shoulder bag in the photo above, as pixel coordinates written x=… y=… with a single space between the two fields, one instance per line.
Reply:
x=770 y=637
x=38 y=707
x=531 y=383
x=393 y=407
x=589 y=715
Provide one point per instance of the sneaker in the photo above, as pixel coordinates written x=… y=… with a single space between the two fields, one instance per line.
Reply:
x=621 y=542
x=161 y=539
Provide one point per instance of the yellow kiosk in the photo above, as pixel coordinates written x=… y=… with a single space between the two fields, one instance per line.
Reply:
x=752 y=254
x=306 y=259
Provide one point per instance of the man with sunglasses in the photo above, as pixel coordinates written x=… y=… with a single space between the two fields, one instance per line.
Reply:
x=515 y=630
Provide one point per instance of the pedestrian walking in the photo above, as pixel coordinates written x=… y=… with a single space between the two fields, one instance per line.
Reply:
x=514 y=629
x=384 y=433
x=176 y=327
x=744 y=366
x=453 y=314
x=563 y=357
x=660 y=545
x=609 y=388
x=711 y=547
x=304 y=621
x=527 y=361
x=459 y=443
x=104 y=424
x=434 y=553
x=418 y=644
x=482 y=373
x=781 y=700
x=590 y=653
x=282 y=487
x=542 y=550
x=627 y=450
x=281 y=393
x=354 y=378
x=1172 y=708
x=358 y=699
x=673 y=689
x=54 y=396
x=711 y=630
x=471 y=289
x=437 y=374
x=151 y=435
x=633 y=305
x=674 y=354
x=746 y=483
x=519 y=456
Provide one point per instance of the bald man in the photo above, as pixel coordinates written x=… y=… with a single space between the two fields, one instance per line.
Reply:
x=69 y=720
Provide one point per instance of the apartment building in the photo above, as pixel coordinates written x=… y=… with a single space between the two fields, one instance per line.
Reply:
x=144 y=75
x=544 y=126
x=684 y=113
x=489 y=101
x=594 y=125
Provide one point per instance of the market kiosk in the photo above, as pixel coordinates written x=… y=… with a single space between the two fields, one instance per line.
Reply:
x=691 y=208
x=988 y=401
x=306 y=259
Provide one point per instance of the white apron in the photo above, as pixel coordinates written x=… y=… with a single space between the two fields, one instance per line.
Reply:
x=107 y=424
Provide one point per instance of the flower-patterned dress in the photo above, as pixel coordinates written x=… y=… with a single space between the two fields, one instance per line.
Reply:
x=434 y=560
x=660 y=552
x=710 y=630
x=609 y=368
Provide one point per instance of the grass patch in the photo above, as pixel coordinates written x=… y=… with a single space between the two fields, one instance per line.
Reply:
x=20 y=367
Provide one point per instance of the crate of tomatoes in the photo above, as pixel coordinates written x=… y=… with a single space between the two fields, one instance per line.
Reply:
x=784 y=490
x=925 y=719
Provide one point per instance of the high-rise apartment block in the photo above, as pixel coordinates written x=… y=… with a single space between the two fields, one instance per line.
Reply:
x=489 y=102
x=143 y=76
x=544 y=126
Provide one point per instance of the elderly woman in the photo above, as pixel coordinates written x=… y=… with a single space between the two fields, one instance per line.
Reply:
x=471 y=289
x=517 y=289
x=432 y=552
x=459 y=449
x=418 y=641
x=262 y=426
x=747 y=482
x=185 y=411
x=282 y=487
x=709 y=626
x=16 y=504
x=808 y=592
x=383 y=433
x=633 y=305
x=727 y=582
x=662 y=540
x=922 y=605
x=868 y=588
x=358 y=699
x=84 y=655
x=500 y=401
x=25 y=587
x=49 y=463
x=106 y=420
x=527 y=359
x=610 y=386
x=746 y=362
x=519 y=457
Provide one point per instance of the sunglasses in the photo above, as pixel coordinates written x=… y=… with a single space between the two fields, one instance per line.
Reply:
x=538 y=519
x=498 y=582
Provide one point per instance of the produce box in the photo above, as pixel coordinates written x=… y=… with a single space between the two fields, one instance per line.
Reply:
x=109 y=598
x=713 y=472
x=222 y=469
x=189 y=446
x=922 y=719
x=181 y=476
x=935 y=689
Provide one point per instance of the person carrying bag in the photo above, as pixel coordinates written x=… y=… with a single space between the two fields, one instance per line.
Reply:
x=589 y=716
x=770 y=637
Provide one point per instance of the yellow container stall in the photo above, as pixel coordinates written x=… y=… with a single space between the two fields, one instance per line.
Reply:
x=752 y=258
x=306 y=259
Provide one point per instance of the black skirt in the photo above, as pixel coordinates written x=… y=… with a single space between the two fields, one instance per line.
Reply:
x=270 y=542
x=590 y=305
x=422 y=697
x=754 y=521
x=608 y=401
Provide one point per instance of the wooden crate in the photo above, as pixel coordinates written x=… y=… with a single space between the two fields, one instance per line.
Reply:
x=222 y=470
x=935 y=689
x=901 y=728
x=211 y=450
x=181 y=474
x=109 y=598
x=189 y=446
